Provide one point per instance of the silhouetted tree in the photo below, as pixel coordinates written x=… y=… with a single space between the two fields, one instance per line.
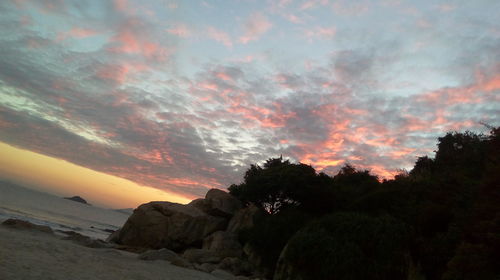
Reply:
x=277 y=185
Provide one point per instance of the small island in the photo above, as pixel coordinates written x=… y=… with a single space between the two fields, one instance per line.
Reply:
x=77 y=199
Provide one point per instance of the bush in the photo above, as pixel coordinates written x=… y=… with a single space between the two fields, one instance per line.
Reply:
x=348 y=246
x=269 y=235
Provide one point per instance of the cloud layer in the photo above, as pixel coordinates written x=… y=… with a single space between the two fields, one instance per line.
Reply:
x=184 y=98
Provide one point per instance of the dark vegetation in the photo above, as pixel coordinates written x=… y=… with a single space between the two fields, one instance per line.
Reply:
x=441 y=220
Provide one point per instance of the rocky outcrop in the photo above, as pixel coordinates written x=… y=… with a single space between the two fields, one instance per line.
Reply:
x=20 y=224
x=223 y=244
x=201 y=256
x=167 y=225
x=244 y=218
x=162 y=254
x=236 y=266
x=218 y=203
x=198 y=232
x=166 y=255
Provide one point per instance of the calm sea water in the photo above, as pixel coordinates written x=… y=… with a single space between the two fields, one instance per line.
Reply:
x=58 y=213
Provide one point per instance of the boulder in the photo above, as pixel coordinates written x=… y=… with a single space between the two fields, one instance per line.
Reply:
x=162 y=254
x=20 y=224
x=223 y=244
x=201 y=256
x=218 y=203
x=167 y=225
x=114 y=237
x=244 y=218
x=206 y=267
x=236 y=266
x=182 y=263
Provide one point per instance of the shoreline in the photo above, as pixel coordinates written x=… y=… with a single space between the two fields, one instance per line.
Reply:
x=33 y=254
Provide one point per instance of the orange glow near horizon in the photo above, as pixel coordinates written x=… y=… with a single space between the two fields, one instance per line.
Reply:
x=63 y=178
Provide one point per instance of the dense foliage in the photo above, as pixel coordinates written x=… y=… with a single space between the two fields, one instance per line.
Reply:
x=350 y=246
x=444 y=215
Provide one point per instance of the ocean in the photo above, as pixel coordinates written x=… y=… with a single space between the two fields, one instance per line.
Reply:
x=58 y=213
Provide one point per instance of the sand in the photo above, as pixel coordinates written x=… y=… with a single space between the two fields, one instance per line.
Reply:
x=26 y=254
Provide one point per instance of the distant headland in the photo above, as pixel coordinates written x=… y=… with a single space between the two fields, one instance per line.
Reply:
x=78 y=199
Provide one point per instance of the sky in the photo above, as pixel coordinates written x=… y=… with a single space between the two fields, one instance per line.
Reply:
x=172 y=98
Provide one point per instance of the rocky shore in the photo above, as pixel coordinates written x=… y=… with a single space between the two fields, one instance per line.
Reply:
x=160 y=240
x=201 y=235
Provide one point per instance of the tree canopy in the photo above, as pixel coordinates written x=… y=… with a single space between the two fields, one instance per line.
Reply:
x=446 y=211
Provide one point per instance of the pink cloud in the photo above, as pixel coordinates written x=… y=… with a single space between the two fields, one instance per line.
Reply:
x=284 y=3
x=133 y=40
x=321 y=33
x=81 y=32
x=293 y=18
x=120 y=5
x=446 y=7
x=255 y=27
x=350 y=8
x=180 y=30
x=219 y=36
x=223 y=76
x=312 y=4
x=172 y=5
x=76 y=32
x=490 y=84
x=474 y=93
x=119 y=74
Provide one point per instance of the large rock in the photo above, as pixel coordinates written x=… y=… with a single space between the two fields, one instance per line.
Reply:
x=244 y=218
x=162 y=254
x=223 y=244
x=218 y=203
x=236 y=266
x=114 y=237
x=167 y=225
x=201 y=256
x=205 y=267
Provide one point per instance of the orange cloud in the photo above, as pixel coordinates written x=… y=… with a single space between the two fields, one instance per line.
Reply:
x=490 y=84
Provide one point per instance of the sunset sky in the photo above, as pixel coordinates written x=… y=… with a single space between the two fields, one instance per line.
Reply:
x=183 y=96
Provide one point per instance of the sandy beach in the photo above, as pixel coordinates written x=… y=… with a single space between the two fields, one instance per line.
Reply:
x=31 y=254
